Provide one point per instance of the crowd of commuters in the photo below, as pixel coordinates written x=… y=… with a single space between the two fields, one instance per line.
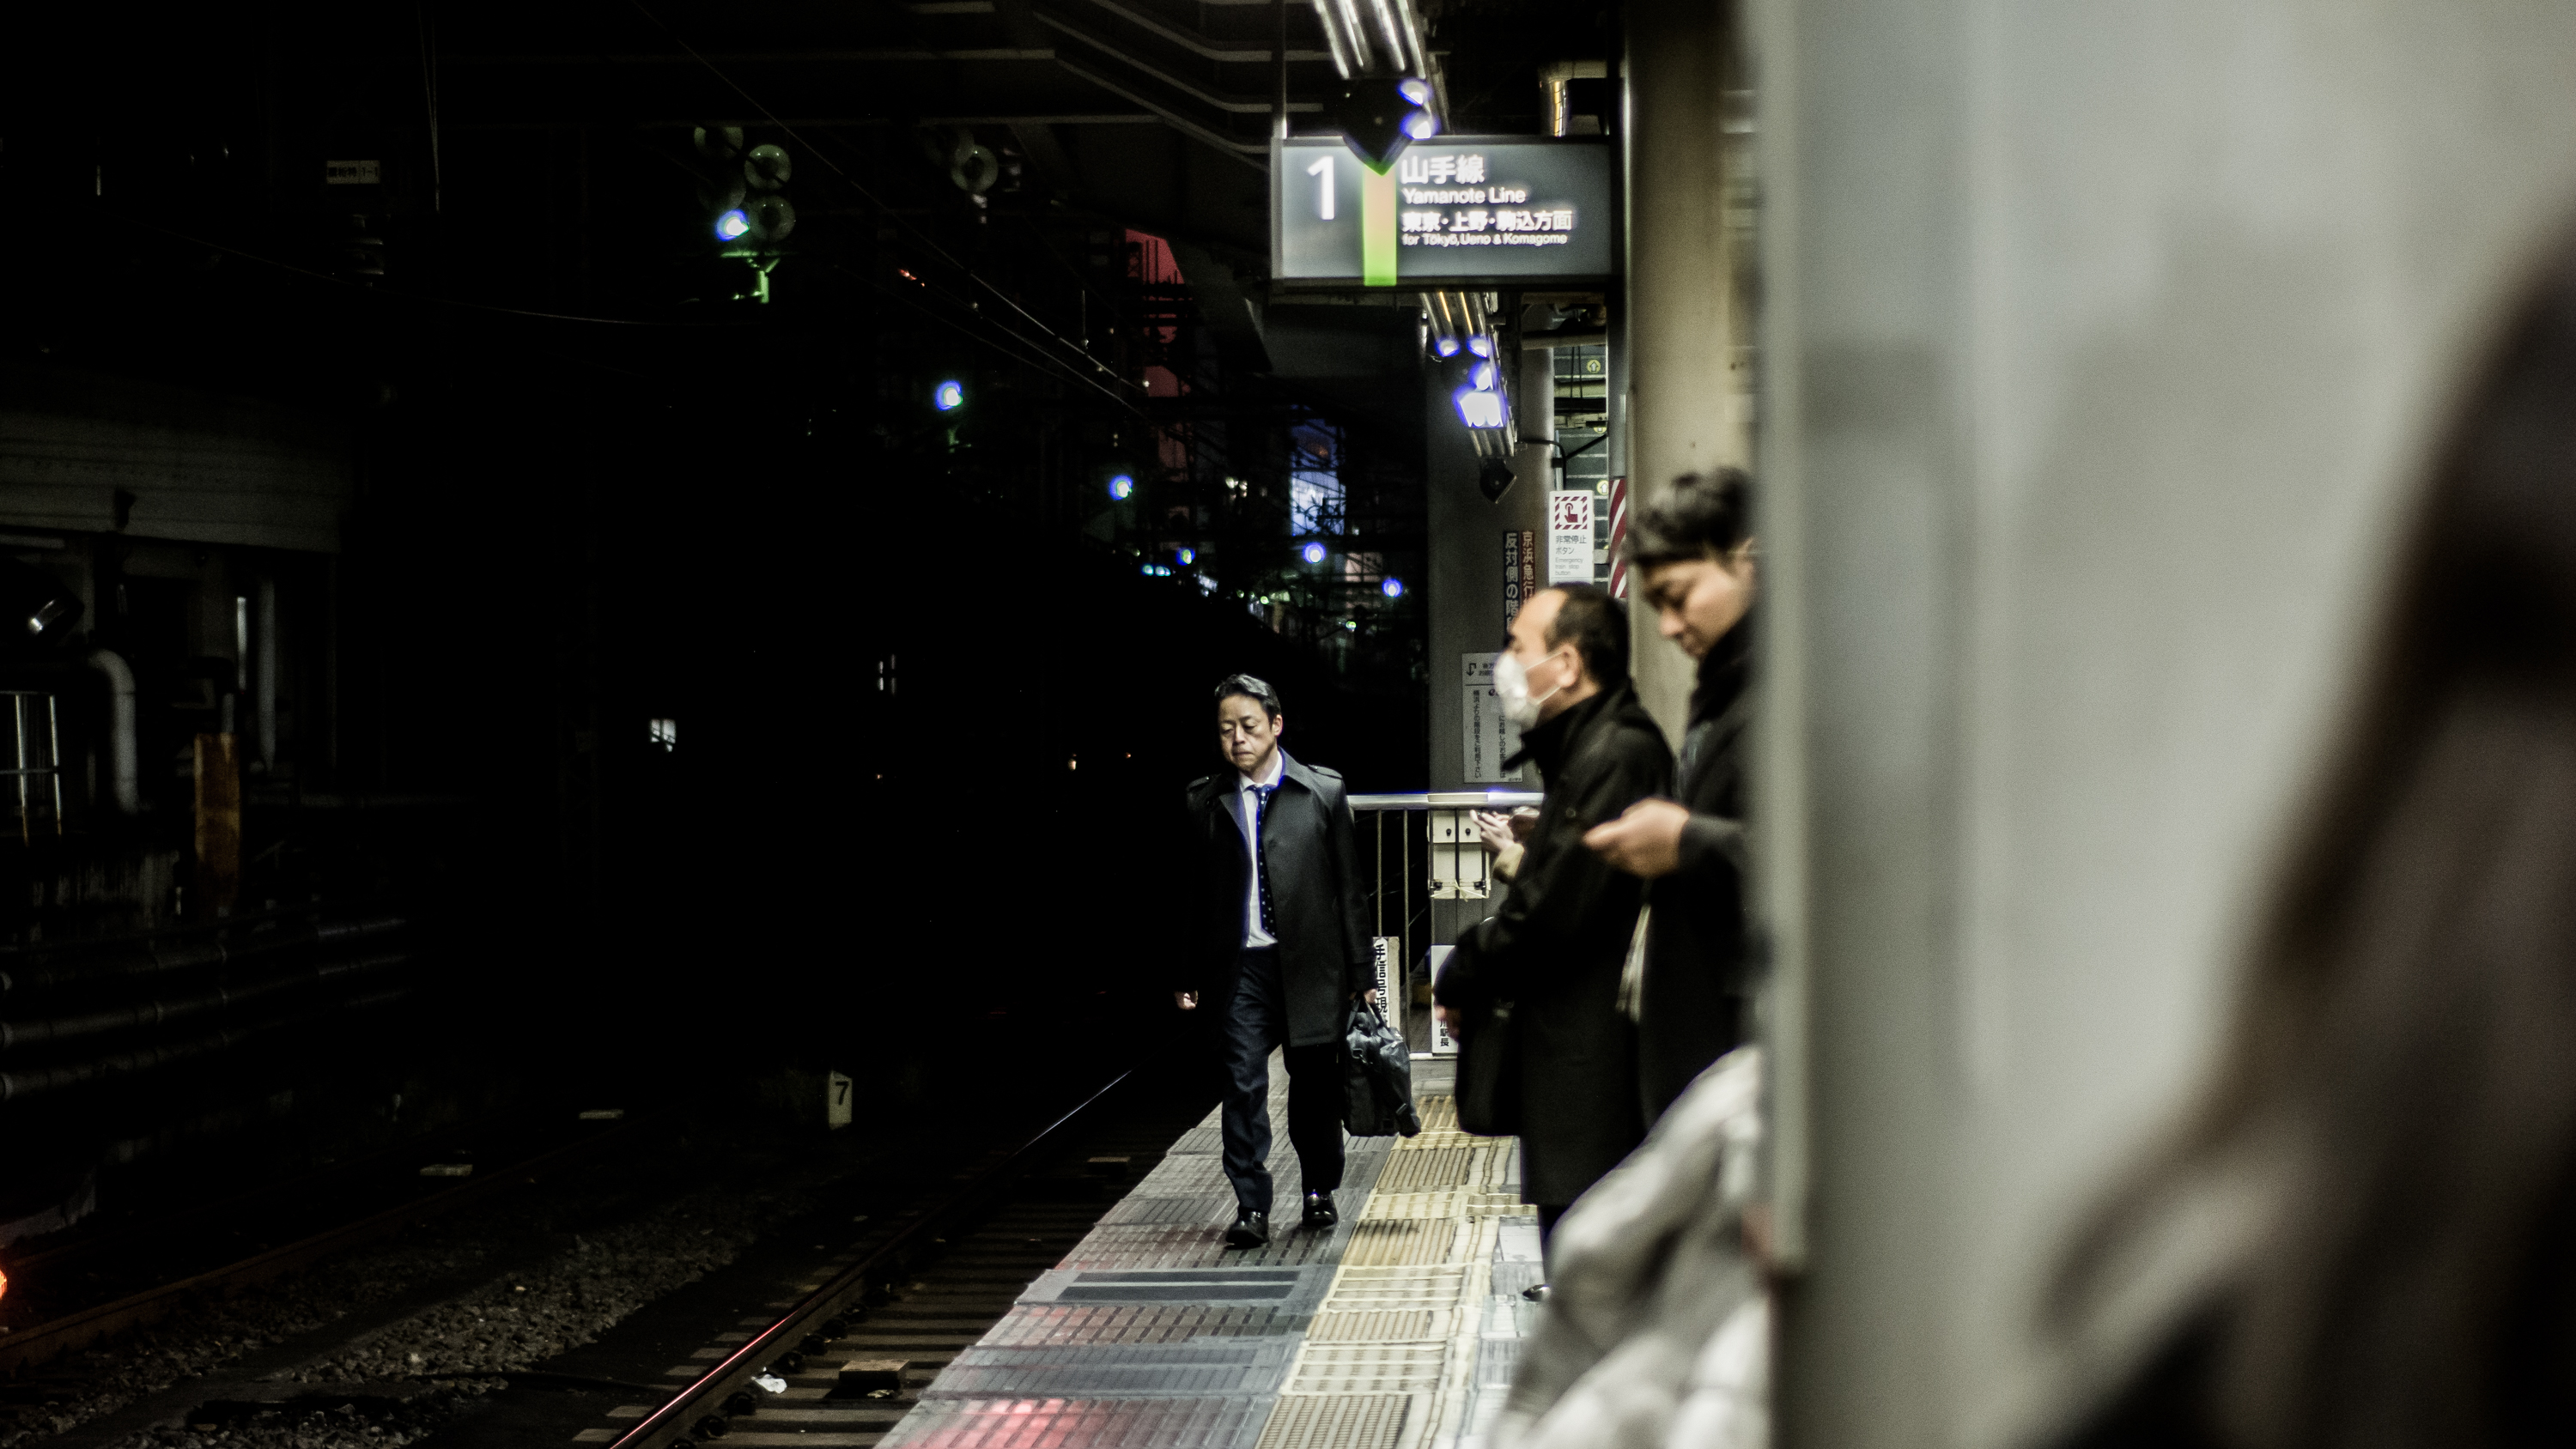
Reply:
x=1610 y=978
x=1617 y=951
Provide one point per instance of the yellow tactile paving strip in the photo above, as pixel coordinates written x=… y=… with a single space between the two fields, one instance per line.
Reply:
x=1401 y=1322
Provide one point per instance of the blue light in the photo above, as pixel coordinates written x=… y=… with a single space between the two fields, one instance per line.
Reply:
x=1392 y=588
x=1481 y=345
x=1186 y=555
x=1156 y=571
x=1121 y=486
x=1421 y=125
x=732 y=225
x=1483 y=376
x=948 y=396
x=1446 y=346
x=1313 y=552
x=1415 y=89
x=1478 y=409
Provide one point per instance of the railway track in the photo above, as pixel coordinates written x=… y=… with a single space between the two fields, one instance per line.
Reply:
x=941 y=1252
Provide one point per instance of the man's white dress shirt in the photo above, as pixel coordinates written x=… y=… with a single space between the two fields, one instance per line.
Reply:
x=1247 y=796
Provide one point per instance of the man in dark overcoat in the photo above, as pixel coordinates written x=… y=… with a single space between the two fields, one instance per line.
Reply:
x=1278 y=947
x=1693 y=551
x=1556 y=945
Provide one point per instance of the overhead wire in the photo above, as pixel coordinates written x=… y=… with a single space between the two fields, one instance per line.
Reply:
x=871 y=197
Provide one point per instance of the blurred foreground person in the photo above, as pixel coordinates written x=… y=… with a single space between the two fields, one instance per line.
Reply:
x=1693 y=548
x=1539 y=979
x=2365 y=1235
x=1279 y=947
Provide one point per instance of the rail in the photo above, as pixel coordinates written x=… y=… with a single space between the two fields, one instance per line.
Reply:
x=685 y=1418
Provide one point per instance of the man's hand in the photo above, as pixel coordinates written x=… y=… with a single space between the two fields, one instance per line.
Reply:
x=1186 y=1000
x=1495 y=829
x=1452 y=1022
x=1369 y=996
x=1645 y=841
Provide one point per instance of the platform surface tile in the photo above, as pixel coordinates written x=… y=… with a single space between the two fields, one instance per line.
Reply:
x=1396 y=1330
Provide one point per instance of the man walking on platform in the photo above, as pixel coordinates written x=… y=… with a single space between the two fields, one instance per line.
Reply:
x=1556 y=946
x=1278 y=949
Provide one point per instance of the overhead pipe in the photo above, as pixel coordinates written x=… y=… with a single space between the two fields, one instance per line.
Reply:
x=1239 y=150
x=1238 y=105
x=17 y=1085
x=79 y=963
x=123 y=780
x=140 y=1015
x=1213 y=50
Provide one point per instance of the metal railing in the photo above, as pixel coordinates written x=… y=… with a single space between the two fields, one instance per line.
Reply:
x=1437 y=856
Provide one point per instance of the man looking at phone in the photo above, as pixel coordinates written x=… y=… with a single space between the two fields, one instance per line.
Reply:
x=1279 y=948
x=1693 y=550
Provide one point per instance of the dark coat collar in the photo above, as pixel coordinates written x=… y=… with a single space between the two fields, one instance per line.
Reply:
x=1725 y=671
x=1550 y=742
x=1227 y=783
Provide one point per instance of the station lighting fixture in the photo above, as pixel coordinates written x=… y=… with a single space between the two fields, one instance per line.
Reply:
x=1379 y=116
x=1313 y=553
x=1121 y=486
x=948 y=396
x=1186 y=555
x=731 y=225
x=1392 y=588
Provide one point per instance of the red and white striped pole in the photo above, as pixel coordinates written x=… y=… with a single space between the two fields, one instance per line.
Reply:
x=1618 y=536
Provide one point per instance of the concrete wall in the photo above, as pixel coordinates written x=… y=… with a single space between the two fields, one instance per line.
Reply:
x=2100 y=343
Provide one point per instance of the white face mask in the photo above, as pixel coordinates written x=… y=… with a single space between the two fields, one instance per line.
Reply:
x=1511 y=685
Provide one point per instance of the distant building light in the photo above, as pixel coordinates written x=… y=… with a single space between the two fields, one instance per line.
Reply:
x=1313 y=552
x=1480 y=409
x=1121 y=486
x=731 y=225
x=1392 y=588
x=1157 y=571
x=949 y=396
x=1186 y=555
x=666 y=734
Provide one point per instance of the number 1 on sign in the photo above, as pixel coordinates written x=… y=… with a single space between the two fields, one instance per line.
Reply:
x=1323 y=167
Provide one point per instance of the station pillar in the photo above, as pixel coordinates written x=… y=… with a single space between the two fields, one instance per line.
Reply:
x=1687 y=383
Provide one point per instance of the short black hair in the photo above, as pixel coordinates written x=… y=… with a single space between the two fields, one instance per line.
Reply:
x=1258 y=690
x=1597 y=626
x=1703 y=515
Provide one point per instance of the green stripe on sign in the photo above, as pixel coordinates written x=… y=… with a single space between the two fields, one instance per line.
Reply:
x=1377 y=227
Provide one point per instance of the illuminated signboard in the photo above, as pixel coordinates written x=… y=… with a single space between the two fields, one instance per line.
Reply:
x=1452 y=209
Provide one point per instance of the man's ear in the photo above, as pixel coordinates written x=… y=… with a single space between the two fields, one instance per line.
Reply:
x=1278 y=725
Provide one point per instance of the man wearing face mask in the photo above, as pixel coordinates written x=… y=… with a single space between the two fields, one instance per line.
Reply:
x=1280 y=948
x=1693 y=551
x=1556 y=945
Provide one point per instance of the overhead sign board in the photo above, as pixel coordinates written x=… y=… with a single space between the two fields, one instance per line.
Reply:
x=1453 y=210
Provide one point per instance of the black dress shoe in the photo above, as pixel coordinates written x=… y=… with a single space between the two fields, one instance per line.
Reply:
x=1319 y=1210
x=1251 y=1230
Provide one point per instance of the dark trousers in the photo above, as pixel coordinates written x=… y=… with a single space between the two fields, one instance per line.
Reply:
x=1256 y=1021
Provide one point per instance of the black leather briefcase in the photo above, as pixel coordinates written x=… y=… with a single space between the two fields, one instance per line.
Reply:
x=1489 y=1073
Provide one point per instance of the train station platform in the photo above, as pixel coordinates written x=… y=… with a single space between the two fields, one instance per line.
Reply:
x=1397 y=1329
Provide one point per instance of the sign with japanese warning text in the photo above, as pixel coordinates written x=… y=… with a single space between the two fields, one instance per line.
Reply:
x=1454 y=209
x=1569 y=536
